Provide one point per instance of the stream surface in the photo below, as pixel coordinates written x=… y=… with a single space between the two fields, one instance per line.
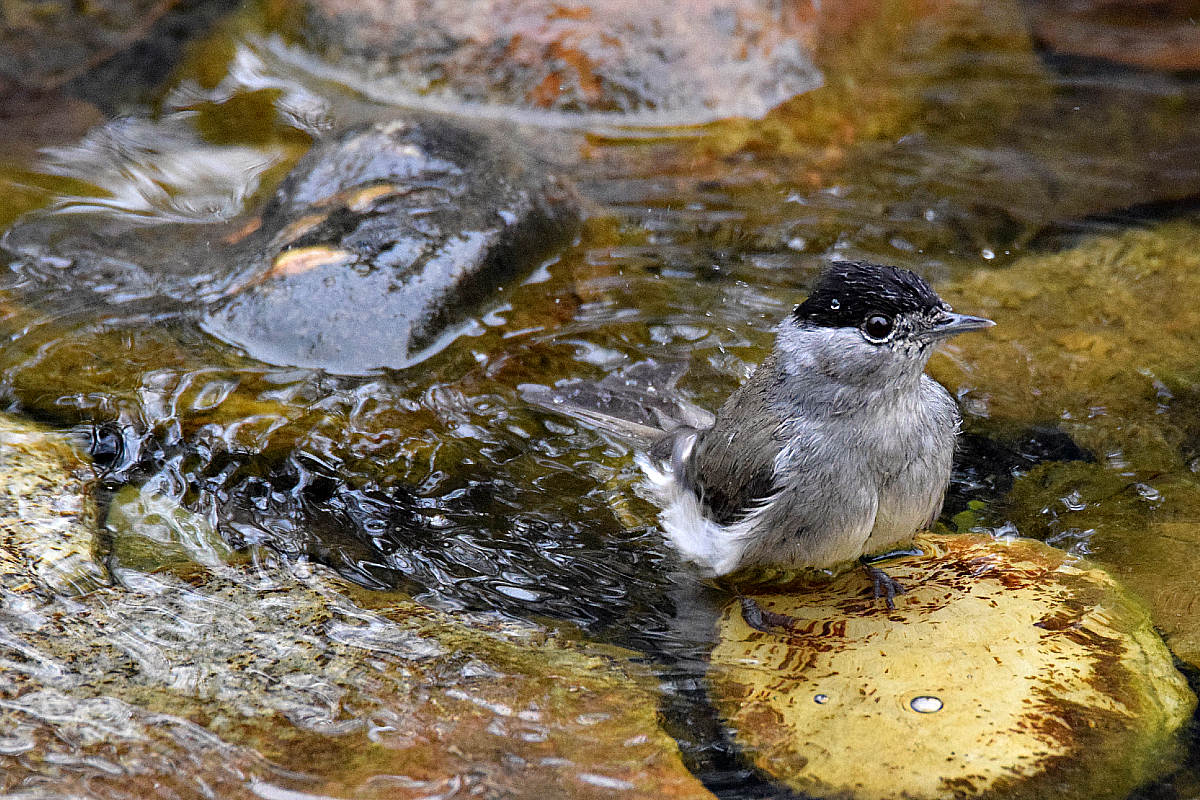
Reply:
x=946 y=143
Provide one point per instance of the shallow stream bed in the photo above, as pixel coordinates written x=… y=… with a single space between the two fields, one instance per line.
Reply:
x=1053 y=194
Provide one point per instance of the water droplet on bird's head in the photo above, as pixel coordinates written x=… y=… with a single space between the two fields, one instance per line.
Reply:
x=835 y=304
x=820 y=699
x=926 y=704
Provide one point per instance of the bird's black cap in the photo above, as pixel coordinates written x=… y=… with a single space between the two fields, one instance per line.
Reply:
x=848 y=291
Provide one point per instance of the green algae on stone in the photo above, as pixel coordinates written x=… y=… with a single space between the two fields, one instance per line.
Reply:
x=1009 y=669
x=1102 y=341
x=1156 y=571
x=1090 y=339
x=47 y=512
x=1144 y=532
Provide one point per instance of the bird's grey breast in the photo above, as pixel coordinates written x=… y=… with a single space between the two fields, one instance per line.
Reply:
x=911 y=453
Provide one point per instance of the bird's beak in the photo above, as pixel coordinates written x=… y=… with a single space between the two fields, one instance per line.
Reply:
x=951 y=324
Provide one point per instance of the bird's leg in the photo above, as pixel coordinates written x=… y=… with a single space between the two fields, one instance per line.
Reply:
x=761 y=619
x=885 y=585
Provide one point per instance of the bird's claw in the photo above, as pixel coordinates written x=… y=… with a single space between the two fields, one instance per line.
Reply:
x=884 y=585
x=763 y=620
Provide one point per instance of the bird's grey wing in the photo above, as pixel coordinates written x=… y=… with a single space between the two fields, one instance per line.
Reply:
x=661 y=379
x=734 y=463
x=693 y=415
x=733 y=475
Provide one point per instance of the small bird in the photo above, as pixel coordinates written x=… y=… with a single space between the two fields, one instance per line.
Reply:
x=838 y=447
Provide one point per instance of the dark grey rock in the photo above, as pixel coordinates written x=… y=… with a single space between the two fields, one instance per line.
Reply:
x=379 y=239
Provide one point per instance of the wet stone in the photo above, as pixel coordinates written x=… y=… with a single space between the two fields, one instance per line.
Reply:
x=44 y=43
x=239 y=681
x=1143 y=530
x=1009 y=669
x=714 y=59
x=1097 y=341
x=47 y=514
x=1157 y=35
x=381 y=238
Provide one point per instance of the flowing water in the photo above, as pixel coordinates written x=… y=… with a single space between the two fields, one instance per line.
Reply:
x=952 y=147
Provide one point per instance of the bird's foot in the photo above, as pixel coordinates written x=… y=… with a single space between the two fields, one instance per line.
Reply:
x=884 y=585
x=763 y=620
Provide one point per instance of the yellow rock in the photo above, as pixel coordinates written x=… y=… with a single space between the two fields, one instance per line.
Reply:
x=1008 y=669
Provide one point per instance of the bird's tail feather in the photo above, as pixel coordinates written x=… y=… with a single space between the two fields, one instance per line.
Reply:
x=637 y=404
x=635 y=433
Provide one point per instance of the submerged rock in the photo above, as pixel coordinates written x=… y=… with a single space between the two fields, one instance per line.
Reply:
x=1009 y=669
x=379 y=238
x=144 y=210
x=1096 y=339
x=47 y=514
x=1142 y=528
x=34 y=119
x=1158 y=35
x=44 y=43
x=240 y=681
x=712 y=59
x=215 y=680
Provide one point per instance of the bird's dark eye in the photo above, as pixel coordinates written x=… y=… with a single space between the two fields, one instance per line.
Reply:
x=878 y=326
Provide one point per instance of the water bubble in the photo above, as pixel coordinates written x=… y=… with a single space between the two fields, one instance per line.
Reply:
x=926 y=704
x=1074 y=501
x=988 y=254
x=820 y=699
x=835 y=304
x=1148 y=492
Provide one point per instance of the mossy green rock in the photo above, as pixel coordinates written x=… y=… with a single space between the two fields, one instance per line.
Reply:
x=1146 y=533
x=1009 y=669
x=1095 y=339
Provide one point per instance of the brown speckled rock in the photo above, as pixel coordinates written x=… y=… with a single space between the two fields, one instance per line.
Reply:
x=210 y=680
